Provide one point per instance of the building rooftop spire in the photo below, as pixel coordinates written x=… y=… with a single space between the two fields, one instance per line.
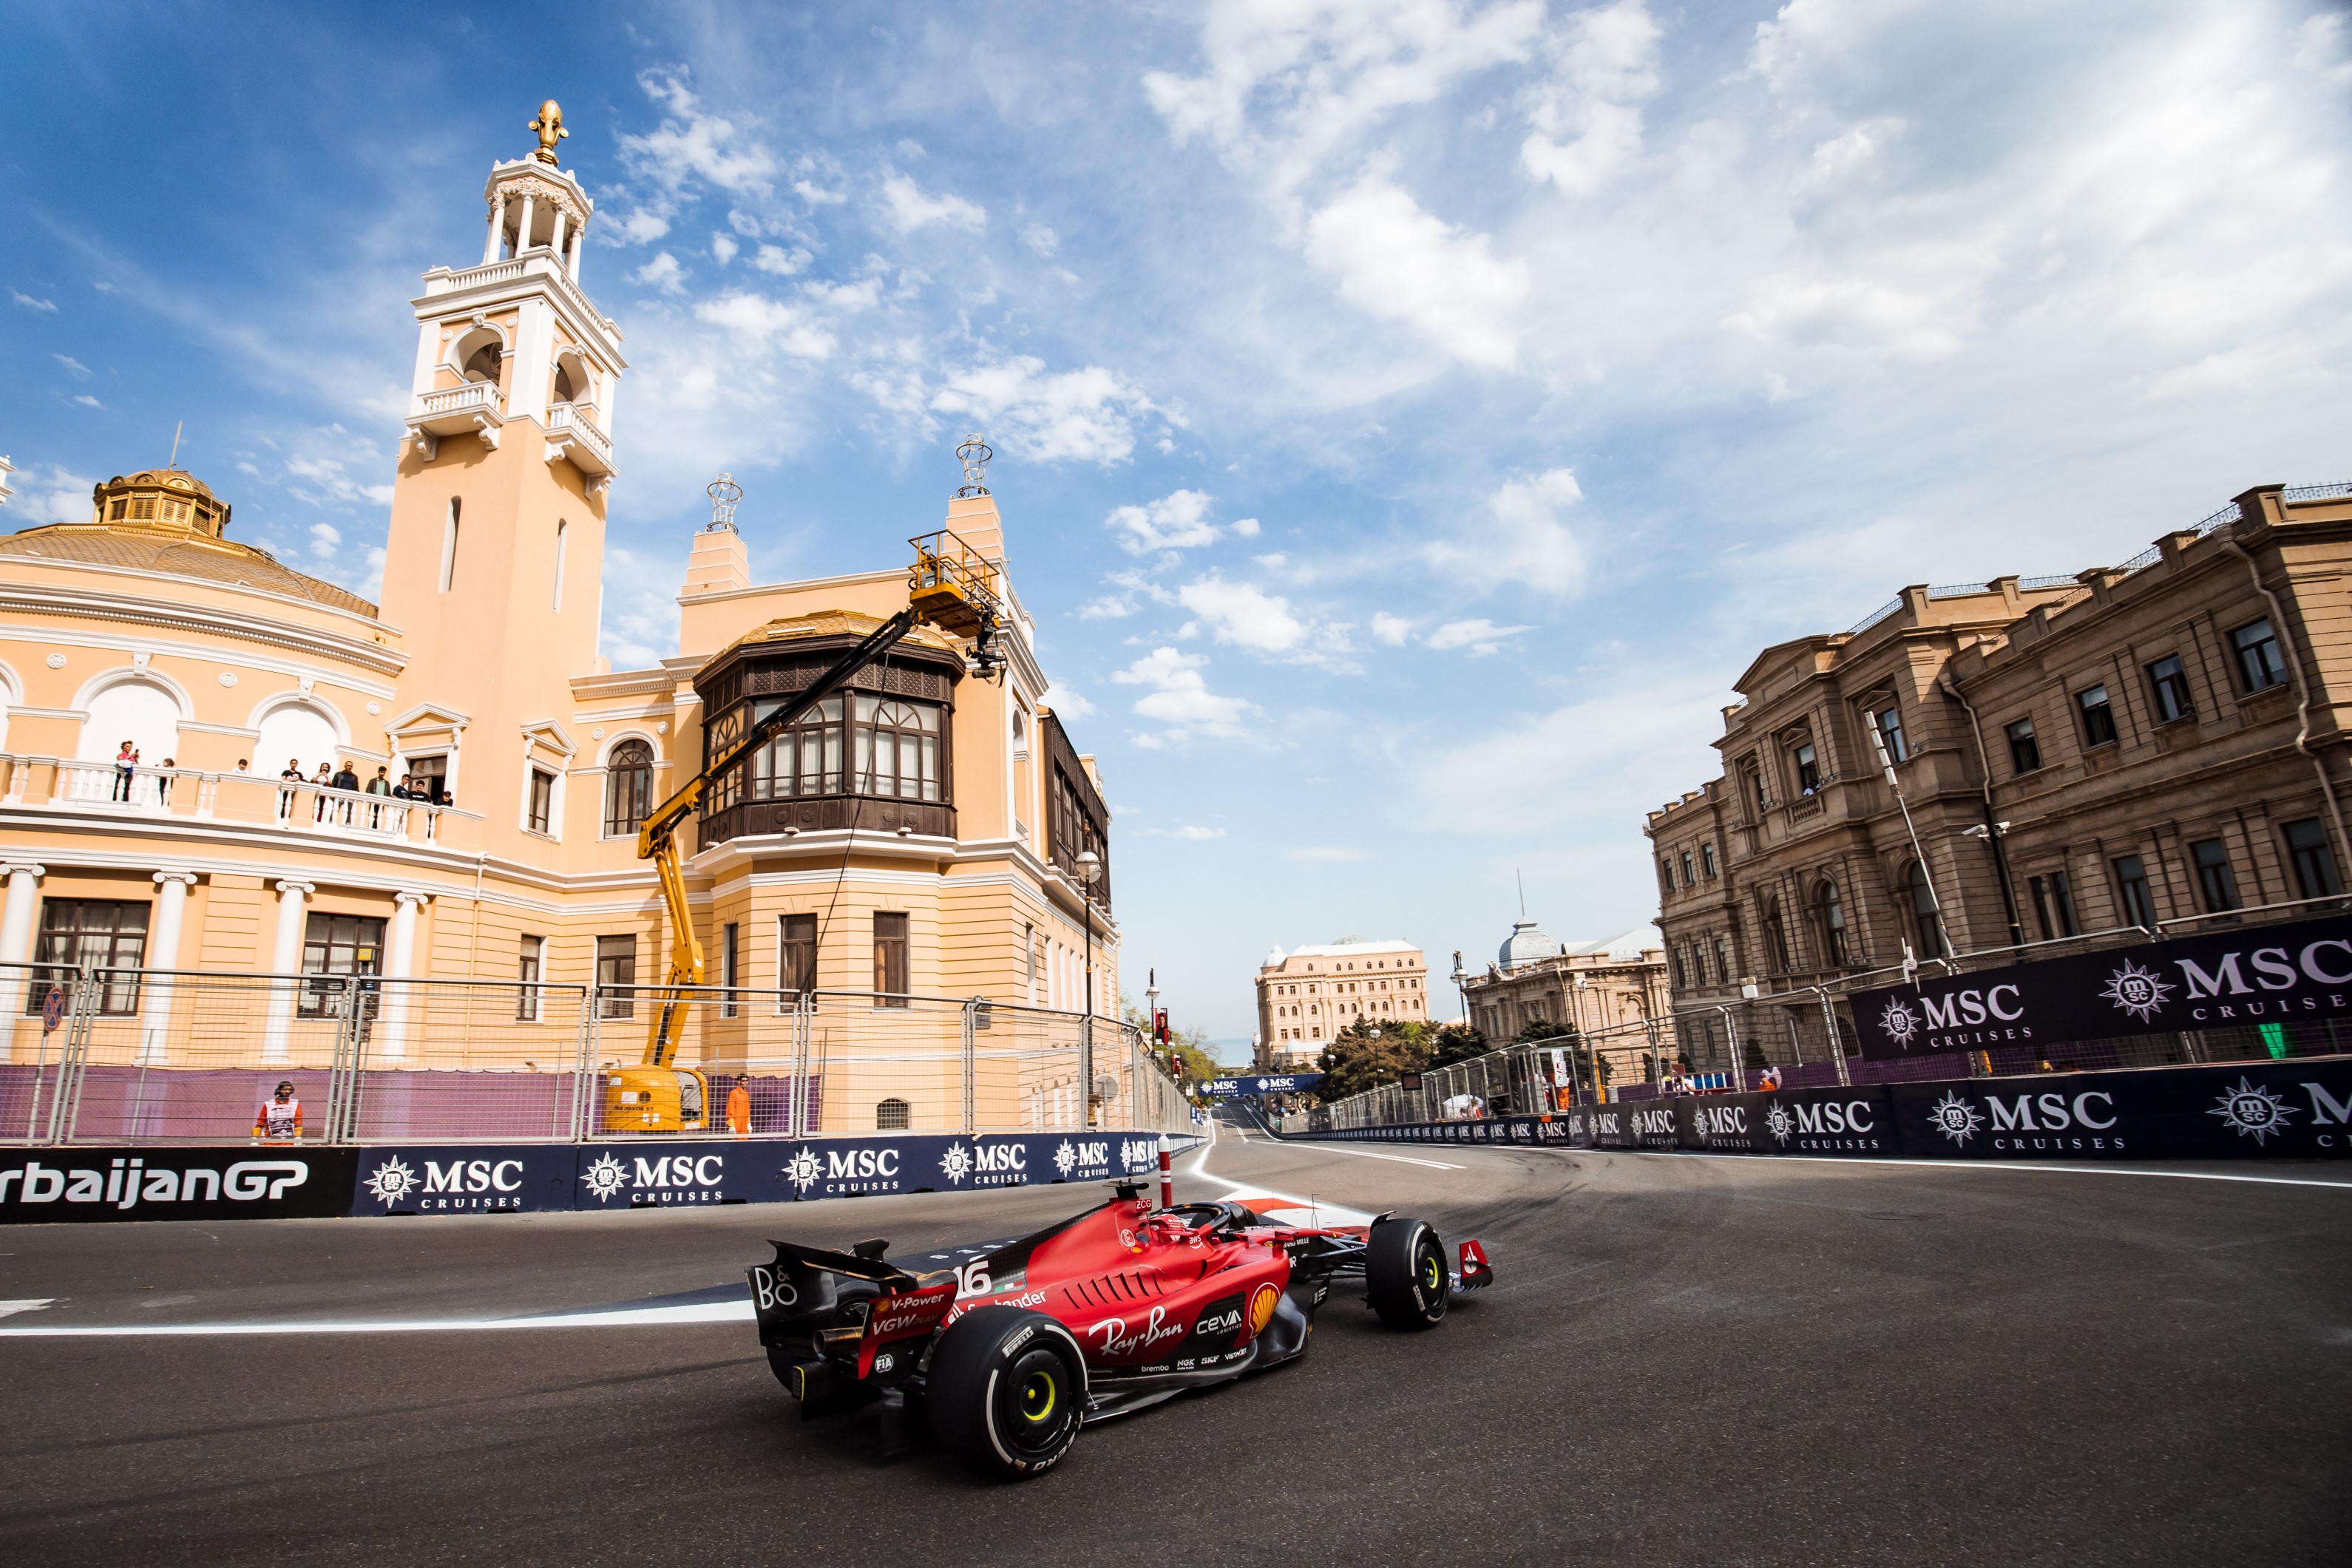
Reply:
x=550 y=125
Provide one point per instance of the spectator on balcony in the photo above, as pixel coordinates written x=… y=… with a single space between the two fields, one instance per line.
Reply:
x=126 y=769
x=286 y=781
x=244 y=765
x=346 y=778
x=163 y=784
x=379 y=785
x=321 y=781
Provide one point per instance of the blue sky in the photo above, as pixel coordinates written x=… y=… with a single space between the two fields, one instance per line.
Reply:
x=1411 y=415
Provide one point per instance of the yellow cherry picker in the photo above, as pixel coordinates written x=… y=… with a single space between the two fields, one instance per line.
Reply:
x=951 y=587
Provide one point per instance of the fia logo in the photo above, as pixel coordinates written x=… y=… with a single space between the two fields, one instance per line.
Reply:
x=2137 y=991
x=393 y=1181
x=1954 y=1118
x=2251 y=1113
x=1901 y=1024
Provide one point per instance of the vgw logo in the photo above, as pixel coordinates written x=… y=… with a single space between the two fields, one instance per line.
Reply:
x=672 y=1178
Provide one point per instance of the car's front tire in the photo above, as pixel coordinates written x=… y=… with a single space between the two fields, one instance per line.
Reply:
x=1406 y=1276
x=1007 y=1388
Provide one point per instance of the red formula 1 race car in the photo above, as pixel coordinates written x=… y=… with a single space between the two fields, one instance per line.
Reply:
x=1008 y=1347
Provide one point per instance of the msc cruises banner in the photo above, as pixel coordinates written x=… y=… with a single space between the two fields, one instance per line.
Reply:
x=2265 y=973
x=1271 y=1083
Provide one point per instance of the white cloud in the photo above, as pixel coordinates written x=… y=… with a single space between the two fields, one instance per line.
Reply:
x=1066 y=702
x=1393 y=629
x=1180 y=697
x=49 y=494
x=29 y=303
x=758 y=321
x=777 y=260
x=326 y=540
x=1585 y=119
x=1041 y=240
x=1480 y=635
x=88 y=402
x=1245 y=527
x=723 y=248
x=691 y=148
x=816 y=195
x=662 y=272
x=1185 y=832
x=1084 y=415
x=1325 y=854
x=1243 y=614
x=1525 y=543
x=74 y=367
x=905 y=207
x=1179 y=520
x=1398 y=263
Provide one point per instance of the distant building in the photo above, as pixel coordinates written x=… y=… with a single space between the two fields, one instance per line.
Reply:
x=1306 y=997
x=2080 y=755
x=1588 y=986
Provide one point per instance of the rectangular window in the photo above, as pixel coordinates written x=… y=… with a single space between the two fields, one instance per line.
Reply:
x=542 y=800
x=616 y=972
x=2215 y=880
x=898 y=749
x=1688 y=880
x=2054 y=906
x=2131 y=883
x=428 y=776
x=449 y=546
x=1682 y=980
x=2260 y=665
x=730 y=967
x=803 y=761
x=2168 y=683
x=1722 y=961
x=1706 y=860
x=1665 y=874
x=796 y=952
x=1808 y=768
x=2024 y=750
x=1890 y=730
x=104 y=933
x=2314 y=860
x=530 y=968
x=2098 y=719
x=890 y=959
x=1756 y=789
x=338 y=944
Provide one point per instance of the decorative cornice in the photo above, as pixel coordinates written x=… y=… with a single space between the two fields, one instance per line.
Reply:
x=177 y=615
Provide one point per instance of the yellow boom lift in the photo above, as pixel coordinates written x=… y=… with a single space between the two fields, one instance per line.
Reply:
x=951 y=587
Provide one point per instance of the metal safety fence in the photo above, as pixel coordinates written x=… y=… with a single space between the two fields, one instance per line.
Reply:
x=90 y=1054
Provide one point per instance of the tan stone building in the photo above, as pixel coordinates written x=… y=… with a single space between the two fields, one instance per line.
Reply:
x=920 y=834
x=2144 y=743
x=1306 y=995
x=1618 y=985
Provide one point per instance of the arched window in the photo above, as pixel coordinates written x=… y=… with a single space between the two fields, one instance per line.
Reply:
x=898 y=749
x=566 y=391
x=803 y=760
x=892 y=1116
x=479 y=355
x=1831 y=913
x=293 y=733
x=628 y=788
x=1776 y=930
x=1922 y=912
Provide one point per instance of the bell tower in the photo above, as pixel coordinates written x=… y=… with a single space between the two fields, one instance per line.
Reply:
x=495 y=563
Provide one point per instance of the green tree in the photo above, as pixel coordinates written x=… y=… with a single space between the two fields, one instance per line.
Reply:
x=1455 y=1043
x=1367 y=1055
x=1541 y=1029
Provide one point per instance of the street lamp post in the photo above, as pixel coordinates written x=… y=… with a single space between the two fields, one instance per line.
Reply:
x=1460 y=993
x=1089 y=869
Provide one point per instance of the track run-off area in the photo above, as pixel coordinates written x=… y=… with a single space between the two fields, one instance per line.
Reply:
x=1686 y=1359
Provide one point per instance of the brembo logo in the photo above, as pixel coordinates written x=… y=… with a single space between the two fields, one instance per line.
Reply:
x=129 y=1182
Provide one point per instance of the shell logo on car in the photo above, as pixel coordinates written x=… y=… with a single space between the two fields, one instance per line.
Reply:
x=1261 y=1309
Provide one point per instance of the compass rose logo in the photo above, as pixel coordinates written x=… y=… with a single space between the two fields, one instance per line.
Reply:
x=956 y=1163
x=1781 y=1123
x=1065 y=1157
x=2253 y=1112
x=392 y=1181
x=1901 y=1024
x=604 y=1177
x=1954 y=1118
x=802 y=1169
x=2137 y=991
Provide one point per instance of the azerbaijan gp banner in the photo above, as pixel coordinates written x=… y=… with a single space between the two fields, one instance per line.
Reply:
x=1267 y=1083
x=2265 y=973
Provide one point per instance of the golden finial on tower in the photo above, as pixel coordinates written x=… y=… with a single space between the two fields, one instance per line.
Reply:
x=550 y=125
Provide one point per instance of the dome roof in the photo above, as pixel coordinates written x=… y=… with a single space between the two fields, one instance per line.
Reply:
x=168 y=520
x=1524 y=946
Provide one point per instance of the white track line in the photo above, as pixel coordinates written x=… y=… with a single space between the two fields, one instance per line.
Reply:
x=2084 y=1169
x=1374 y=1154
x=635 y=1317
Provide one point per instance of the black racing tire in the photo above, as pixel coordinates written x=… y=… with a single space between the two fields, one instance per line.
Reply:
x=1405 y=1274
x=1007 y=1391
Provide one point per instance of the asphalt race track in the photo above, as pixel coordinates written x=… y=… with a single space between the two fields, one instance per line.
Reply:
x=1686 y=1360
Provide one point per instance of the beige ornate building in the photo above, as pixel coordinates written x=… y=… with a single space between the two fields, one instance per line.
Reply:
x=1618 y=985
x=2150 y=742
x=1309 y=994
x=921 y=835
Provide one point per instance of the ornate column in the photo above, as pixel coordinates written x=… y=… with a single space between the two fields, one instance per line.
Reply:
x=399 y=964
x=572 y=258
x=522 y=230
x=162 y=952
x=555 y=239
x=17 y=923
x=285 y=958
x=498 y=229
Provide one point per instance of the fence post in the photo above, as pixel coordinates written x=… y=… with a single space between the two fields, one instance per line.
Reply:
x=65 y=1106
x=591 y=1061
x=1837 y=1046
x=968 y=1058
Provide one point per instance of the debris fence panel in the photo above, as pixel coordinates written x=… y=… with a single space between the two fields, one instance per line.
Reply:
x=143 y=1056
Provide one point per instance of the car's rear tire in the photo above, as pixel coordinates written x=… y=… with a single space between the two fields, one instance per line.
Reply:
x=1406 y=1276
x=1007 y=1389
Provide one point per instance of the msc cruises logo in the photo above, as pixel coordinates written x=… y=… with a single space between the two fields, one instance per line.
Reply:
x=1954 y=1118
x=2253 y=1112
x=1901 y=1024
x=2137 y=991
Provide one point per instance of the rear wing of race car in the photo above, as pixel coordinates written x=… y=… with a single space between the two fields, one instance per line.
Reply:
x=1476 y=1273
